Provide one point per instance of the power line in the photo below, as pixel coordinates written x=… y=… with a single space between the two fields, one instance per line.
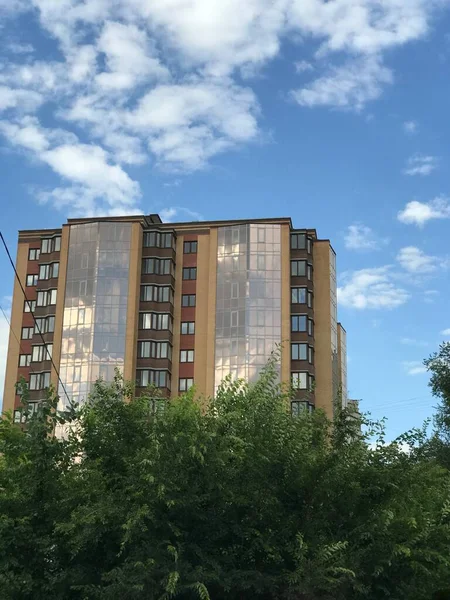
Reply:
x=32 y=314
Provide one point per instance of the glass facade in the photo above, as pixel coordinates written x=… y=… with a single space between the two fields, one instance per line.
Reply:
x=95 y=307
x=248 y=309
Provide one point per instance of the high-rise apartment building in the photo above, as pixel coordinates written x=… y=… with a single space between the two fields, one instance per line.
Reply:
x=173 y=305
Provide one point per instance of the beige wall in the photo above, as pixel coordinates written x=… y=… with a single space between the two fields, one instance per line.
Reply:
x=134 y=280
x=285 y=303
x=205 y=314
x=177 y=316
x=60 y=300
x=16 y=329
x=322 y=328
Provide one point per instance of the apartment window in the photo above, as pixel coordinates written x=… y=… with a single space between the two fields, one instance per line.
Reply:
x=32 y=280
x=42 y=352
x=156 y=293
x=149 y=349
x=157 y=266
x=155 y=239
x=300 y=406
x=299 y=323
x=39 y=381
x=33 y=254
x=190 y=273
x=310 y=271
x=310 y=327
x=29 y=306
x=190 y=247
x=24 y=360
x=187 y=328
x=302 y=381
x=185 y=383
x=309 y=245
x=298 y=241
x=298 y=295
x=188 y=300
x=44 y=325
x=46 y=298
x=299 y=351
x=310 y=354
x=158 y=321
x=298 y=268
x=146 y=377
x=27 y=333
x=186 y=356
x=51 y=245
x=49 y=271
x=310 y=299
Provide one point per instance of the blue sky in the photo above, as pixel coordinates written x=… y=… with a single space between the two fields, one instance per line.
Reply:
x=333 y=113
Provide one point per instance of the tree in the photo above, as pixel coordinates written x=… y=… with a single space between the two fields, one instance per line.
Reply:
x=438 y=364
x=236 y=500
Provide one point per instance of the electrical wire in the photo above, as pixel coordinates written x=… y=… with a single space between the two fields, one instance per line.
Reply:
x=37 y=328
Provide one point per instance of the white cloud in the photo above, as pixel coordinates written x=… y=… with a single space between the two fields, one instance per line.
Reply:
x=410 y=127
x=430 y=295
x=414 y=367
x=419 y=213
x=18 y=48
x=179 y=213
x=373 y=288
x=361 y=237
x=446 y=332
x=420 y=164
x=348 y=86
x=414 y=260
x=302 y=66
x=413 y=342
x=162 y=82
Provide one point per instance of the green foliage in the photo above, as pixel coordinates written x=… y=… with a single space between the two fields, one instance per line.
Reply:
x=235 y=501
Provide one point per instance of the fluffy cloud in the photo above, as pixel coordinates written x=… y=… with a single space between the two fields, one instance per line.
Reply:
x=414 y=260
x=162 y=82
x=179 y=213
x=361 y=237
x=373 y=288
x=410 y=127
x=414 y=367
x=349 y=86
x=446 y=332
x=420 y=165
x=419 y=213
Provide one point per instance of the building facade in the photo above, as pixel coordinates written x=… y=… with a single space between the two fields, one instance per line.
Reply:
x=173 y=305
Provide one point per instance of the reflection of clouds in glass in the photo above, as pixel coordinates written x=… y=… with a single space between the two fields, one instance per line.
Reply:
x=95 y=310
x=248 y=302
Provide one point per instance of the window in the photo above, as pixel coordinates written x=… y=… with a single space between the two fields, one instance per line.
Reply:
x=149 y=349
x=190 y=273
x=310 y=272
x=300 y=381
x=299 y=351
x=49 y=271
x=190 y=247
x=186 y=356
x=298 y=241
x=156 y=293
x=157 y=321
x=44 y=325
x=27 y=333
x=159 y=379
x=235 y=289
x=298 y=295
x=157 y=266
x=33 y=254
x=188 y=300
x=32 y=280
x=155 y=239
x=300 y=406
x=299 y=323
x=46 y=298
x=39 y=381
x=24 y=360
x=310 y=327
x=29 y=306
x=185 y=383
x=310 y=299
x=51 y=245
x=187 y=328
x=42 y=352
x=309 y=245
x=310 y=354
x=298 y=268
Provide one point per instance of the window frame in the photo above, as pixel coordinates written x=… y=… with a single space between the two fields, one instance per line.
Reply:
x=187 y=356
x=186 y=387
x=189 y=271
x=295 y=236
x=24 y=358
x=188 y=327
x=52 y=244
x=29 y=304
x=42 y=380
x=298 y=289
x=188 y=247
x=151 y=378
x=190 y=299
x=165 y=266
x=34 y=253
x=295 y=267
x=35 y=279
x=28 y=336
x=43 y=351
